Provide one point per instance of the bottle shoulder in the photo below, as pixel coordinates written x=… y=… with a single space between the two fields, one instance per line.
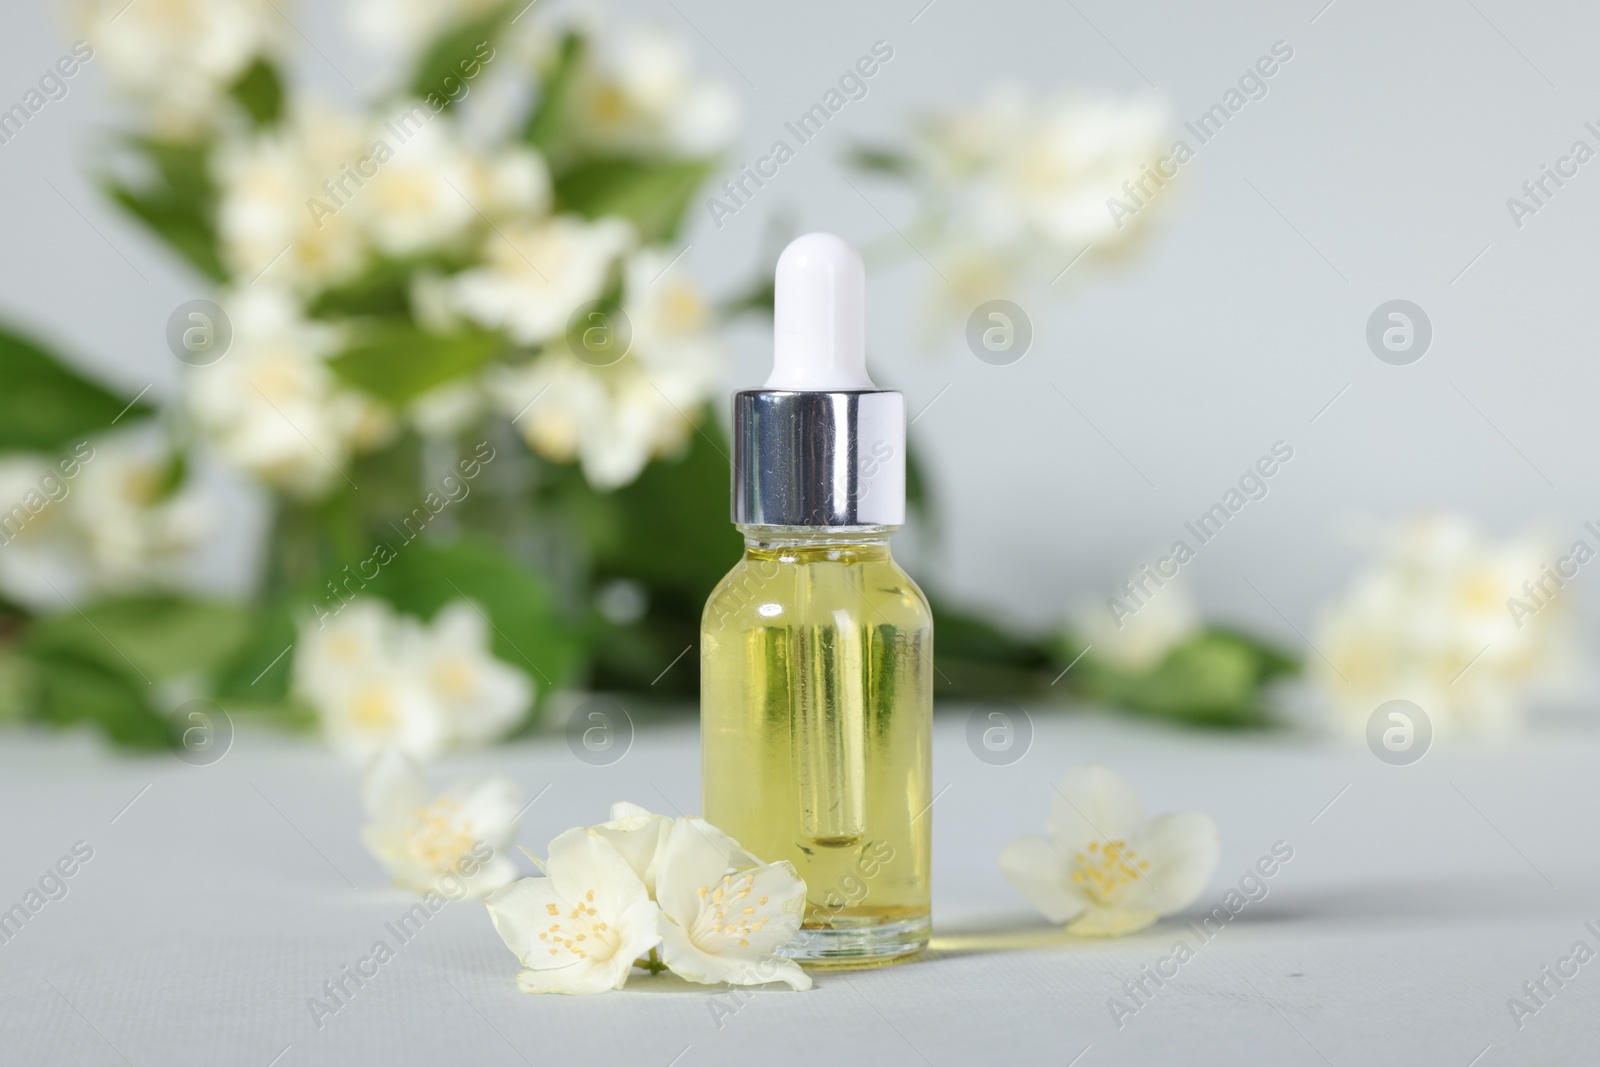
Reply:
x=765 y=591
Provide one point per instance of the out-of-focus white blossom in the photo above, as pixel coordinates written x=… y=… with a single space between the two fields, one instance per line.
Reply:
x=614 y=419
x=455 y=844
x=268 y=181
x=271 y=404
x=1045 y=169
x=179 y=58
x=378 y=680
x=640 y=94
x=418 y=199
x=308 y=203
x=1429 y=619
x=1102 y=867
x=481 y=697
x=1021 y=185
x=37 y=555
x=116 y=524
x=134 y=524
x=537 y=273
x=1162 y=617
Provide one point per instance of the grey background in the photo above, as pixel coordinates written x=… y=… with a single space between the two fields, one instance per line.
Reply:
x=1383 y=156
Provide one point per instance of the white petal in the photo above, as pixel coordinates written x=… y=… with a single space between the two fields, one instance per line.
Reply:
x=691 y=963
x=581 y=861
x=496 y=874
x=639 y=836
x=785 y=892
x=519 y=911
x=1092 y=803
x=459 y=625
x=695 y=854
x=393 y=787
x=1182 y=850
x=576 y=978
x=622 y=809
x=491 y=805
x=1043 y=878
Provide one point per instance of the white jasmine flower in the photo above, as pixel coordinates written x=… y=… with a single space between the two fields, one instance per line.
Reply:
x=481 y=697
x=1022 y=169
x=1437 y=597
x=277 y=220
x=135 y=528
x=379 y=680
x=454 y=844
x=418 y=199
x=1162 y=618
x=40 y=557
x=115 y=524
x=639 y=836
x=1102 y=868
x=725 y=915
x=614 y=419
x=514 y=181
x=272 y=405
x=178 y=58
x=674 y=328
x=357 y=637
x=537 y=273
x=611 y=420
x=379 y=707
x=348 y=668
x=640 y=95
x=580 y=928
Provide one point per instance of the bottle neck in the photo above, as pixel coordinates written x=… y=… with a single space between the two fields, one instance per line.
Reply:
x=815 y=543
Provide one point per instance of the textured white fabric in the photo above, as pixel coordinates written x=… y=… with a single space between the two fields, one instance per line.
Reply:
x=223 y=898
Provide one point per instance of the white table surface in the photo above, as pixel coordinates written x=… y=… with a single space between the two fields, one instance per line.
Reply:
x=223 y=897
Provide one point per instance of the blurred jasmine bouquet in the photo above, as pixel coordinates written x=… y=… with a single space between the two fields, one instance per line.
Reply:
x=1016 y=188
x=1467 y=628
x=447 y=333
x=447 y=330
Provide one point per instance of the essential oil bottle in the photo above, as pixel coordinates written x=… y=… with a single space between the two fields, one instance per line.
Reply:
x=817 y=649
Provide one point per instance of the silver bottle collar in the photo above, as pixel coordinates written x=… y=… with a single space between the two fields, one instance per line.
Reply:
x=819 y=458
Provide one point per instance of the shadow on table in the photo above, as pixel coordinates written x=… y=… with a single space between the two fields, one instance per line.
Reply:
x=1411 y=901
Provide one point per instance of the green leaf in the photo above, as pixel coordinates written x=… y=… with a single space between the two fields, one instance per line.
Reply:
x=881 y=161
x=260 y=92
x=152 y=637
x=178 y=202
x=673 y=525
x=382 y=289
x=975 y=659
x=526 y=629
x=458 y=55
x=1215 y=678
x=45 y=405
x=258 y=672
x=399 y=362
x=670 y=532
x=70 y=689
x=549 y=127
x=651 y=193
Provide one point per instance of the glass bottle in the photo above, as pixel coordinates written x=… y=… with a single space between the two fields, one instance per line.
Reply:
x=816 y=649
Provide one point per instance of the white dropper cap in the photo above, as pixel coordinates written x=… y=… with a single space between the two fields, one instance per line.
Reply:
x=819 y=444
x=819 y=317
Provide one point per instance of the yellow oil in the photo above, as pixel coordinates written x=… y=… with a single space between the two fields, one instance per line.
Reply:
x=816 y=713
